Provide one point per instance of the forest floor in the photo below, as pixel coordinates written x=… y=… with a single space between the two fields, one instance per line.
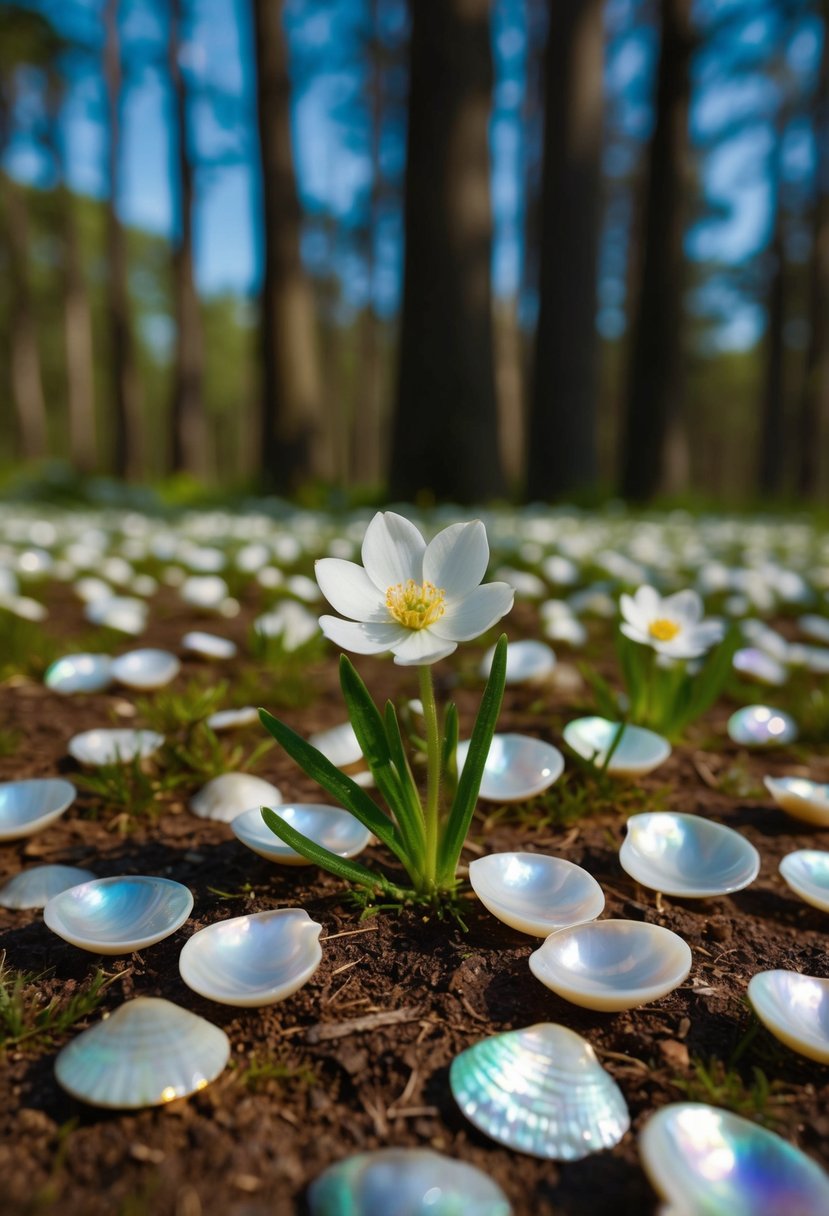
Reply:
x=359 y=1057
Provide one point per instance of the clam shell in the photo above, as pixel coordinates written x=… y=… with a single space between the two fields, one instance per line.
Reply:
x=338 y=744
x=527 y=662
x=145 y=669
x=761 y=726
x=79 y=673
x=540 y=1091
x=121 y=612
x=405 y=1182
x=252 y=960
x=119 y=915
x=639 y=751
x=108 y=746
x=208 y=645
x=30 y=806
x=33 y=888
x=517 y=767
x=228 y=795
x=709 y=1162
x=535 y=894
x=686 y=855
x=806 y=871
x=612 y=964
x=332 y=827
x=795 y=1008
x=800 y=798
x=814 y=626
x=146 y=1053
x=758 y=665
x=233 y=719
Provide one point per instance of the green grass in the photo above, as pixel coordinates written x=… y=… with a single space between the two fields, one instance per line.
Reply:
x=137 y=791
x=30 y=1020
x=10 y=741
x=265 y=1073
x=577 y=795
x=203 y=755
x=720 y=1084
x=169 y=711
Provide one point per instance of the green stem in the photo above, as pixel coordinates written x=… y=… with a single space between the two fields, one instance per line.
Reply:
x=433 y=766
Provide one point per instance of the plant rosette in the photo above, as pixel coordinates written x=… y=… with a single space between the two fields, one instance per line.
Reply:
x=418 y=601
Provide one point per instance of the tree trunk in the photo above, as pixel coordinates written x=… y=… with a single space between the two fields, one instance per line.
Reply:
x=77 y=328
x=26 y=378
x=127 y=456
x=561 y=453
x=654 y=383
x=445 y=438
x=771 y=462
x=188 y=418
x=293 y=446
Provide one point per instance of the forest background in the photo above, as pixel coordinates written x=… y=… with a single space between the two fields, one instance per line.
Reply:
x=450 y=249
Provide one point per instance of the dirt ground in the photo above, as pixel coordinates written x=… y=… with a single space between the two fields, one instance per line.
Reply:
x=359 y=1057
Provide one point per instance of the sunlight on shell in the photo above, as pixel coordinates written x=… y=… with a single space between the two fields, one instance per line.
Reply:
x=233 y=719
x=534 y=893
x=795 y=1008
x=540 y=1091
x=806 y=872
x=687 y=855
x=757 y=665
x=79 y=673
x=146 y=1053
x=703 y=1159
x=208 y=645
x=761 y=726
x=33 y=888
x=227 y=795
x=253 y=960
x=802 y=799
x=119 y=915
x=517 y=767
x=527 y=662
x=338 y=744
x=112 y=746
x=612 y=964
x=405 y=1182
x=145 y=669
x=639 y=751
x=30 y=806
x=332 y=827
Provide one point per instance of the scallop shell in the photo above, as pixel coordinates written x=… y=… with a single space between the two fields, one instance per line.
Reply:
x=800 y=798
x=208 y=645
x=638 y=752
x=228 y=795
x=687 y=855
x=79 y=673
x=405 y=1182
x=709 y=1162
x=332 y=827
x=534 y=893
x=30 y=806
x=107 y=746
x=33 y=888
x=612 y=964
x=517 y=767
x=253 y=960
x=795 y=1008
x=527 y=662
x=148 y=1052
x=540 y=1091
x=806 y=872
x=761 y=726
x=145 y=669
x=119 y=915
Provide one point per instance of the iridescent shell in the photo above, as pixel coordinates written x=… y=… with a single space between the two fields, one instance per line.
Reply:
x=113 y=746
x=228 y=795
x=79 y=673
x=761 y=726
x=146 y=1053
x=540 y=1091
x=30 y=806
x=517 y=767
x=145 y=669
x=800 y=798
x=806 y=872
x=638 y=751
x=118 y=915
x=795 y=1008
x=687 y=855
x=330 y=826
x=534 y=893
x=405 y=1182
x=758 y=665
x=528 y=662
x=33 y=888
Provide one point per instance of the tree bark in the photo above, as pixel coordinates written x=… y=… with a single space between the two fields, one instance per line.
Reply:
x=561 y=453
x=293 y=445
x=445 y=438
x=26 y=378
x=654 y=382
x=771 y=454
x=77 y=328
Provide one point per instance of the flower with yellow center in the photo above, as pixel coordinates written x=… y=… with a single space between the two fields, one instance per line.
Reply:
x=415 y=599
x=672 y=626
x=663 y=629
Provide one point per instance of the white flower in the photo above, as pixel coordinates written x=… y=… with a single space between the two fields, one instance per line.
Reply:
x=414 y=599
x=673 y=626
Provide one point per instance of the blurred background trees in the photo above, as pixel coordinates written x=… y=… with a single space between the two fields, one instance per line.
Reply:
x=454 y=249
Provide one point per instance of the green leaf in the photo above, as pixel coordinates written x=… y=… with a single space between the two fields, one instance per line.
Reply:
x=708 y=683
x=411 y=812
x=606 y=701
x=469 y=782
x=449 y=756
x=351 y=871
x=337 y=783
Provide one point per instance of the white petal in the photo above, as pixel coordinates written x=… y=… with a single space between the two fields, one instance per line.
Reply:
x=349 y=590
x=457 y=558
x=392 y=551
x=683 y=606
x=421 y=646
x=475 y=613
x=368 y=638
x=632 y=613
x=636 y=635
x=649 y=602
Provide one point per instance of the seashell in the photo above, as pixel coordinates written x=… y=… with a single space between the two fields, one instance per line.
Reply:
x=204 y=591
x=710 y=1162
x=252 y=960
x=33 y=888
x=814 y=627
x=813 y=658
x=145 y=669
x=233 y=719
x=638 y=752
x=800 y=798
x=121 y=612
x=119 y=915
x=612 y=964
x=79 y=673
x=527 y=662
x=148 y=1052
x=758 y=665
x=30 y=806
x=405 y=1182
x=540 y=1091
x=108 y=746
x=795 y=1008
x=208 y=645
x=338 y=744
x=687 y=855
x=517 y=767
x=806 y=872
x=761 y=726
x=330 y=826
x=228 y=795
x=289 y=621
x=535 y=894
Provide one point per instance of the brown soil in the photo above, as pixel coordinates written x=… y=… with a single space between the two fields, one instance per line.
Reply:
x=360 y=1056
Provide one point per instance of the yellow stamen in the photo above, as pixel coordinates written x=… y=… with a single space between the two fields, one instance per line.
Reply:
x=663 y=630
x=416 y=605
